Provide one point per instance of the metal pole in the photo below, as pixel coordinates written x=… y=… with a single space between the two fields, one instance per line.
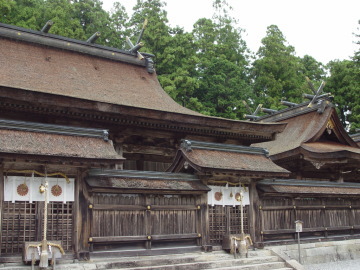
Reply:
x=299 y=247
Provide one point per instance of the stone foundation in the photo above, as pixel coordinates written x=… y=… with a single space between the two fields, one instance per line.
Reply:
x=320 y=252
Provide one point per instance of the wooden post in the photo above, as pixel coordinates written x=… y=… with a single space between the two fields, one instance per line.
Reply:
x=351 y=217
x=76 y=216
x=203 y=218
x=254 y=215
x=82 y=219
x=147 y=222
x=1 y=199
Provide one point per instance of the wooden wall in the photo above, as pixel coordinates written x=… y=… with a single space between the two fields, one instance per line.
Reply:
x=144 y=220
x=322 y=217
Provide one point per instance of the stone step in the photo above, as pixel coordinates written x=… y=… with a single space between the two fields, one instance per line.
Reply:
x=258 y=264
x=269 y=266
x=257 y=260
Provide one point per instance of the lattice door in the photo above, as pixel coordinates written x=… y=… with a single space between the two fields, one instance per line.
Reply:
x=23 y=221
x=225 y=220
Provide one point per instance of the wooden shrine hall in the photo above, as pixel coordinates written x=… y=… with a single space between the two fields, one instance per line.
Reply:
x=323 y=190
x=128 y=171
x=93 y=148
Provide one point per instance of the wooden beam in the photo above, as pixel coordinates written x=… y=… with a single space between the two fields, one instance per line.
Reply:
x=112 y=239
x=148 y=150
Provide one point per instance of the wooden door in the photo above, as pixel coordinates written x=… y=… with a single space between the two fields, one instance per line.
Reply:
x=225 y=220
x=23 y=221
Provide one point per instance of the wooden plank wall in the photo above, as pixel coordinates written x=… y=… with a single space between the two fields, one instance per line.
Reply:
x=117 y=218
x=322 y=217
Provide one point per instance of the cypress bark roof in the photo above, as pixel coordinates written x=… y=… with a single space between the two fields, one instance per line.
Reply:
x=25 y=140
x=112 y=80
x=309 y=187
x=306 y=131
x=226 y=158
x=144 y=181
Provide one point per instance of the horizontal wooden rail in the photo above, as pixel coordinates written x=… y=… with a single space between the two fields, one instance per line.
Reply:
x=308 y=207
x=175 y=236
x=115 y=239
x=314 y=229
x=174 y=207
x=108 y=239
x=114 y=207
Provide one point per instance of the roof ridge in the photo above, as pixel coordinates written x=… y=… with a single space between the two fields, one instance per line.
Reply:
x=54 y=129
x=188 y=145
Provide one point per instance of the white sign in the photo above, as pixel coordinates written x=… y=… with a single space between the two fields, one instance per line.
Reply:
x=228 y=196
x=20 y=188
x=298 y=226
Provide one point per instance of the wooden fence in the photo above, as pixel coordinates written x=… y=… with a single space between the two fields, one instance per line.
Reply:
x=321 y=217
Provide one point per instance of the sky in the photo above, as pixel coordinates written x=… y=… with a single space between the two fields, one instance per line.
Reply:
x=322 y=29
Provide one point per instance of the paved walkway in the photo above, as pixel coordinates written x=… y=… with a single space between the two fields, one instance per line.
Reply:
x=339 y=265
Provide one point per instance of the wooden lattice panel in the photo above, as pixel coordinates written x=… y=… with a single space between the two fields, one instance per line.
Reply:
x=225 y=220
x=23 y=222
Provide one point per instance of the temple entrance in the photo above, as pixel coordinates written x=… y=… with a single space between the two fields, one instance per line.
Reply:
x=23 y=221
x=225 y=220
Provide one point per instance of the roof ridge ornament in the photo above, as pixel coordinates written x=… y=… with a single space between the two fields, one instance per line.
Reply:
x=47 y=26
x=135 y=49
x=252 y=116
x=316 y=94
x=94 y=37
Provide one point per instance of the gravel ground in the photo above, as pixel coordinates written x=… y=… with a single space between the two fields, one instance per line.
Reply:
x=342 y=265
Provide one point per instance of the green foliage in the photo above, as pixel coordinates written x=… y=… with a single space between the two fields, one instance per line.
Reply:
x=119 y=26
x=344 y=84
x=62 y=13
x=312 y=69
x=222 y=69
x=277 y=71
x=23 y=13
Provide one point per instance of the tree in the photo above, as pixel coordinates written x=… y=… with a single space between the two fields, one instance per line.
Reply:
x=344 y=84
x=119 y=20
x=62 y=13
x=23 y=13
x=222 y=69
x=93 y=19
x=312 y=69
x=173 y=48
x=277 y=71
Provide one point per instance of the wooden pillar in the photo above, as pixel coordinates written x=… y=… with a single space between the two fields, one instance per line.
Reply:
x=147 y=224
x=204 y=226
x=352 y=220
x=1 y=199
x=254 y=214
x=81 y=217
